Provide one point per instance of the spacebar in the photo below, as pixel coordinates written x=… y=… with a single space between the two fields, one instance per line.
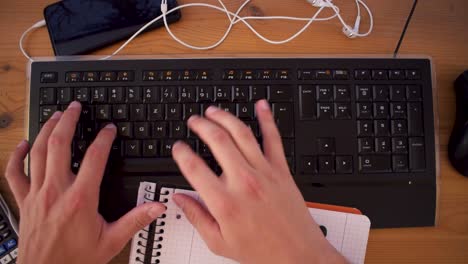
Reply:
x=149 y=165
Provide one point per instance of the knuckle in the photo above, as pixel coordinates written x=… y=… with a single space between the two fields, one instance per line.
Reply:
x=37 y=150
x=76 y=201
x=56 y=140
x=219 y=135
x=192 y=163
x=140 y=222
x=94 y=151
x=252 y=186
x=245 y=132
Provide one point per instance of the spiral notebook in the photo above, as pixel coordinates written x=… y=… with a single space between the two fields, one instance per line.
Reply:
x=171 y=239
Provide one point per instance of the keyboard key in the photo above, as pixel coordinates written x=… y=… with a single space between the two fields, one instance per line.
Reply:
x=400 y=163
x=247 y=75
x=288 y=145
x=381 y=128
x=324 y=93
x=379 y=74
x=151 y=76
x=399 y=127
x=364 y=110
x=49 y=77
x=141 y=130
x=148 y=165
x=340 y=74
x=46 y=112
x=362 y=75
x=173 y=112
x=79 y=148
x=203 y=75
x=87 y=112
x=307 y=101
x=240 y=93
x=309 y=165
x=205 y=94
x=126 y=76
x=150 y=148
x=326 y=164
x=82 y=94
x=342 y=111
x=375 y=163
x=344 y=164
x=103 y=112
x=399 y=145
x=414 y=93
x=305 y=74
x=281 y=93
x=363 y=92
x=88 y=130
x=166 y=147
x=108 y=76
x=397 y=93
x=382 y=145
x=380 y=92
x=137 y=112
x=222 y=93
x=257 y=92
x=64 y=95
x=134 y=95
x=323 y=75
x=204 y=150
x=231 y=74
x=284 y=117
x=73 y=77
x=282 y=75
x=413 y=74
x=177 y=129
x=415 y=119
x=228 y=107
x=365 y=128
x=133 y=148
x=155 y=112
x=417 y=158
x=396 y=75
x=189 y=110
x=116 y=95
x=169 y=94
x=325 y=146
x=245 y=111
x=151 y=94
x=381 y=110
x=160 y=129
x=99 y=95
x=125 y=129
x=342 y=93
x=265 y=75
x=170 y=76
x=398 y=110
x=188 y=94
x=90 y=77
x=366 y=145
x=47 y=96
x=188 y=75
x=325 y=111
x=10 y=244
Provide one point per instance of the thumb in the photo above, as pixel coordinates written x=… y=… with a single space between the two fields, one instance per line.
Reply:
x=202 y=220
x=117 y=234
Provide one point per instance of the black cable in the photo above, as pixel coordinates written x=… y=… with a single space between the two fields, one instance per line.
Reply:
x=395 y=53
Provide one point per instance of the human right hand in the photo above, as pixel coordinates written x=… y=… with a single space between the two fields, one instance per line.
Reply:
x=254 y=211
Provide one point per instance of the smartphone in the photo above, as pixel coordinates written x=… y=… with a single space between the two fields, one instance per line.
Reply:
x=78 y=27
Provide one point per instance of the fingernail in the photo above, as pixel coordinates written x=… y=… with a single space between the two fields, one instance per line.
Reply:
x=74 y=104
x=264 y=105
x=211 y=110
x=192 y=118
x=154 y=211
x=110 y=126
x=22 y=144
x=56 y=115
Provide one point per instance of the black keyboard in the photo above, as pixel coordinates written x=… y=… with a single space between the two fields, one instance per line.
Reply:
x=356 y=132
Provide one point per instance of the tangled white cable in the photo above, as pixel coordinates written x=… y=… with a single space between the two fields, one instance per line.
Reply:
x=234 y=19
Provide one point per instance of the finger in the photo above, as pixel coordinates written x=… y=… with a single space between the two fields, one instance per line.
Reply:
x=272 y=145
x=202 y=220
x=221 y=145
x=38 y=154
x=59 y=147
x=14 y=172
x=242 y=135
x=117 y=234
x=95 y=160
x=197 y=173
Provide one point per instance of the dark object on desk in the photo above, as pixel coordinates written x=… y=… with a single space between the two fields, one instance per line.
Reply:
x=357 y=132
x=81 y=26
x=458 y=144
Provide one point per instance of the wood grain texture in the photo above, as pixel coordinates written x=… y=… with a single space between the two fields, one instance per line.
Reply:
x=438 y=29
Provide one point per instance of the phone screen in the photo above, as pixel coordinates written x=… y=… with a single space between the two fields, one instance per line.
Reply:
x=80 y=26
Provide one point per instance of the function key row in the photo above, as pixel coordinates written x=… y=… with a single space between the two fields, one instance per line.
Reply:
x=235 y=74
x=104 y=76
x=176 y=75
x=323 y=74
x=394 y=74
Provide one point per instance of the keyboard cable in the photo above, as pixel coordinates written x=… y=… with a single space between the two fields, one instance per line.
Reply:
x=403 y=33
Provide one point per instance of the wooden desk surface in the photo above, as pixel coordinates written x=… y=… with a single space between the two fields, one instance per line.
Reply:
x=438 y=29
